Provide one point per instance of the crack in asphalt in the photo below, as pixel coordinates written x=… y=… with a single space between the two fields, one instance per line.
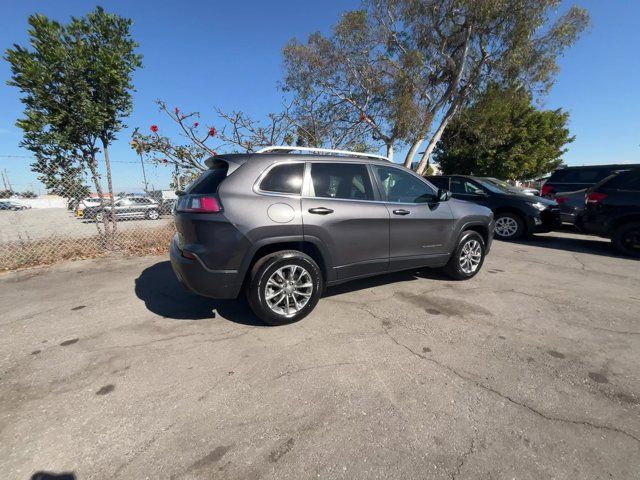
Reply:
x=315 y=367
x=498 y=393
x=463 y=458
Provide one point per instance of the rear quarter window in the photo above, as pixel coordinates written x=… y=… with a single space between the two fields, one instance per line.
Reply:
x=210 y=180
x=624 y=181
x=284 y=178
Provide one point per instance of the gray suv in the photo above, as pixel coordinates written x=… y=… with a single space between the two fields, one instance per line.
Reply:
x=284 y=226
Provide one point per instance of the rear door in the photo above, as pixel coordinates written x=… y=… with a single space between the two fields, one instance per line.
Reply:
x=339 y=208
x=420 y=225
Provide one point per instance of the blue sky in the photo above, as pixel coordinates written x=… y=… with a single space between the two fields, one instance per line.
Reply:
x=201 y=54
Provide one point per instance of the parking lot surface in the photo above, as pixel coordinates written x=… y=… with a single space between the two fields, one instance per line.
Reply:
x=529 y=371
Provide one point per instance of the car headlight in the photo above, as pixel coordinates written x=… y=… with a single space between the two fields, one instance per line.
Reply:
x=538 y=206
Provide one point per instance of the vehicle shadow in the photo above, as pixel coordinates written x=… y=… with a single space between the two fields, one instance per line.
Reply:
x=162 y=294
x=571 y=241
x=385 y=279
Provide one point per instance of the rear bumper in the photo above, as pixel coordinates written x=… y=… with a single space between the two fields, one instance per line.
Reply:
x=219 y=284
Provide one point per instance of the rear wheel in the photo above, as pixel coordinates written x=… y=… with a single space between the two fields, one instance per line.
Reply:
x=285 y=287
x=509 y=226
x=468 y=257
x=626 y=239
x=153 y=214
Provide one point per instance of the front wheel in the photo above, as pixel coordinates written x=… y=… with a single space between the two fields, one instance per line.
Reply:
x=285 y=287
x=626 y=239
x=468 y=257
x=509 y=226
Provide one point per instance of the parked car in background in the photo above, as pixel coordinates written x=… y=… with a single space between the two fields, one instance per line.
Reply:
x=571 y=179
x=613 y=211
x=125 y=207
x=286 y=225
x=515 y=214
x=13 y=205
x=507 y=186
x=571 y=205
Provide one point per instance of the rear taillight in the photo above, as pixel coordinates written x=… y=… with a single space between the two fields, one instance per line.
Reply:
x=198 y=204
x=595 y=198
x=546 y=190
x=561 y=200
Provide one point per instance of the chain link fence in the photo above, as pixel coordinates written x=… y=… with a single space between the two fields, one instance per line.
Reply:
x=41 y=229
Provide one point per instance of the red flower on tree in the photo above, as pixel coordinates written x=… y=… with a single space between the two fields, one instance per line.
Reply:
x=195 y=125
x=212 y=131
x=363 y=117
x=165 y=161
x=177 y=110
x=214 y=153
x=154 y=128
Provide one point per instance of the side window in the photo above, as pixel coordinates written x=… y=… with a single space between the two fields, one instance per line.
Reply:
x=466 y=187
x=341 y=180
x=285 y=178
x=440 y=182
x=402 y=187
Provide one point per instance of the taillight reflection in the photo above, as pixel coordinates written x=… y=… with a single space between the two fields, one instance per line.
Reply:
x=594 y=198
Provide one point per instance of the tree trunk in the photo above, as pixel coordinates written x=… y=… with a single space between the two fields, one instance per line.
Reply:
x=112 y=212
x=408 y=160
x=103 y=235
x=390 y=151
x=424 y=161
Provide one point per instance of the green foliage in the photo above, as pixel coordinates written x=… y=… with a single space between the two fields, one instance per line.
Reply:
x=75 y=81
x=6 y=193
x=503 y=135
x=28 y=194
x=397 y=66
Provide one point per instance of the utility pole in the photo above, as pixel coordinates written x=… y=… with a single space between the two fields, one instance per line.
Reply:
x=144 y=175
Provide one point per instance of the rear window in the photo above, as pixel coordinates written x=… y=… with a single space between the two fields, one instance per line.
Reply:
x=579 y=175
x=624 y=181
x=284 y=178
x=210 y=180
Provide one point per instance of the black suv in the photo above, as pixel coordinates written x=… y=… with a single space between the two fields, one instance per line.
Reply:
x=283 y=226
x=613 y=210
x=570 y=179
x=515 y=214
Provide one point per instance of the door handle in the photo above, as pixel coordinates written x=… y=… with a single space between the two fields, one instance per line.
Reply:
x=401 y=211
x=320 y=211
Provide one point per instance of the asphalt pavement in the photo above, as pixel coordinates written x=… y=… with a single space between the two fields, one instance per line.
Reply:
x=529 y=371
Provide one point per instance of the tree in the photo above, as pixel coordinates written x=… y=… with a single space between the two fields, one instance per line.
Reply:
x=28 y=194
x=406 y=67
x=503 y=135
x=76 y=85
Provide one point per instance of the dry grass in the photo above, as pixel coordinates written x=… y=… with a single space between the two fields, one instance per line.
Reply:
x=31 y=253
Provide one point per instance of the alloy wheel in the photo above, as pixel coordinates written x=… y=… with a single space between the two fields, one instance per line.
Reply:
x=288 y=290
x=631 y=241
x=506 y=227
x=470 y=256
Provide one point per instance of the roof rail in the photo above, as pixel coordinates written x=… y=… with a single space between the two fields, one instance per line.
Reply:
x=324 y=151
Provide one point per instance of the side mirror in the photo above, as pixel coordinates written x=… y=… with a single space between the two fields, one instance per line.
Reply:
x=443 y=194
x=480 y=192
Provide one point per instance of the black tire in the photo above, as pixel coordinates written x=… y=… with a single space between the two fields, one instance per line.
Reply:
x=626 y=239
x=454 y=267
x=260 y=275
x=152 y=214
x=510 y=219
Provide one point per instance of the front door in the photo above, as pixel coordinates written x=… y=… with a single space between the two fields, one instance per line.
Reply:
x=420 y=225
x=339 y=209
